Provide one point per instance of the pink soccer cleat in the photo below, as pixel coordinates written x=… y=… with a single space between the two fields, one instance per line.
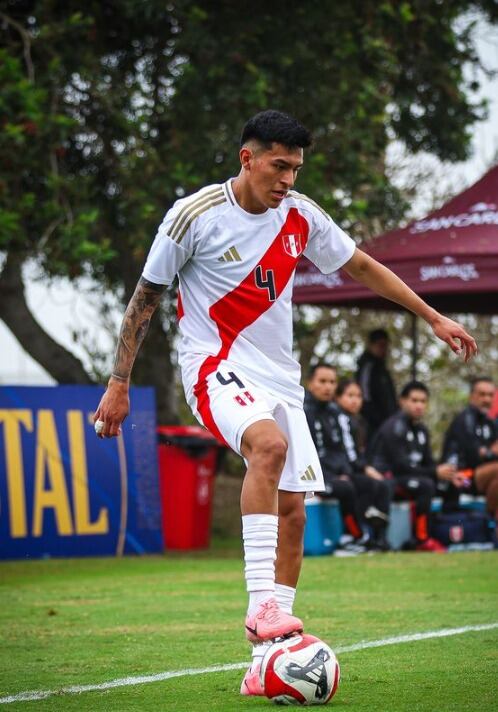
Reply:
x=251 y=684
x=269 y=621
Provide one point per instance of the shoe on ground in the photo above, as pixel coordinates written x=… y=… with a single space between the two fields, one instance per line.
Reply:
x=379 y=543
x=410 y=545
x=268 y=621
x=431 y=545
x=348 y=546
x=251 y=684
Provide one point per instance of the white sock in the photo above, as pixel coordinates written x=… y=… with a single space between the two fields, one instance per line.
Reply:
x=260 y=533
x=285 y=596
x=257 y=653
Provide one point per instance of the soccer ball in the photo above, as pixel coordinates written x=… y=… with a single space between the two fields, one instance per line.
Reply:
x=301 y=670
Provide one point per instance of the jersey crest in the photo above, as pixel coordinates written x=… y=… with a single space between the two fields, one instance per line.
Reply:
x=293 y=244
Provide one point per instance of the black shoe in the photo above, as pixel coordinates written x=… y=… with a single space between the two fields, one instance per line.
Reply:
x=410 y=545
x=380 y=543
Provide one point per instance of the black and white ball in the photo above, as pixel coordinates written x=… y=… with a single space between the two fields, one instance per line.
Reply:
x=302 y=670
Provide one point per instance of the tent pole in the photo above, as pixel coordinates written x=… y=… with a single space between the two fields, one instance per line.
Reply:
x=414 y=335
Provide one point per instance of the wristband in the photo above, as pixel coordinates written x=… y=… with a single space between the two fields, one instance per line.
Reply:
x=119 y=378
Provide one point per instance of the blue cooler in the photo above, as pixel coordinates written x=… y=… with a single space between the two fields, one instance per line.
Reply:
x=323 y=528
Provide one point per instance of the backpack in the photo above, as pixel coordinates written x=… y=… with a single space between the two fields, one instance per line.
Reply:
x=462 y=527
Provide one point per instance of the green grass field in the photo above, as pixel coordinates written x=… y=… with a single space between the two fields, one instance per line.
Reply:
x=86 y=621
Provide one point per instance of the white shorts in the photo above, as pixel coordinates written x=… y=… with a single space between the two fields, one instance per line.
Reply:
x=227 y=403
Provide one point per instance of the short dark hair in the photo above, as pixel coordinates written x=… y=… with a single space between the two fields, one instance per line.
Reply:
x=320 y=364
x=344 y=384
x=270 y=126
x=414 y=386
x=479 y=379
x=377 y=335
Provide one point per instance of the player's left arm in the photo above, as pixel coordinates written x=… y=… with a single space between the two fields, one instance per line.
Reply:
x=364 y=269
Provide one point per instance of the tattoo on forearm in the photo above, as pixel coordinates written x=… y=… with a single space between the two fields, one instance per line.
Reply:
x=135 y=324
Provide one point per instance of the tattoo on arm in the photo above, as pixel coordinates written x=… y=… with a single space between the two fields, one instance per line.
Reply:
x=135 y=324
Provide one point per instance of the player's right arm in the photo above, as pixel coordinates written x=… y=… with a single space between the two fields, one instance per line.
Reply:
x=173 y=246
x=115 y=403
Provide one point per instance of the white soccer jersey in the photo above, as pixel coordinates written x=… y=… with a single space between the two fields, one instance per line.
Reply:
x=236 y=273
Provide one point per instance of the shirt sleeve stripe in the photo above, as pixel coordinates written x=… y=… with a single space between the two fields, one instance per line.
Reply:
x=191 y=205
x=193 y=215
x=301 y=196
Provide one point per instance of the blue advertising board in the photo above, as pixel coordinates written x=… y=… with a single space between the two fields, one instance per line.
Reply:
x=65 y=492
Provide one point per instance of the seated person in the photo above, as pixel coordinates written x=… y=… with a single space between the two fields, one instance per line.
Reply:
x=326 y=432
x=472 y=442
x=374 y=492
x=402 y=448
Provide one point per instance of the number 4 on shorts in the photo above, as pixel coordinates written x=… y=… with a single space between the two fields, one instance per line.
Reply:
x=242 y=399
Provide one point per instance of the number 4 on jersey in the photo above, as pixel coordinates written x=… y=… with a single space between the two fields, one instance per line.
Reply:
x=226 y=381
x=266 y=281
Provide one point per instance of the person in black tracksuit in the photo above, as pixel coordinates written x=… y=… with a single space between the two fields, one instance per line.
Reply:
x=402 y=448
x=471 y=442
x=326 y=432
x=374 y=379
x=374 y=492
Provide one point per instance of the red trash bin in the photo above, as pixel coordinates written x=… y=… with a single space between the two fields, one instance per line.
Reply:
x=187 y=466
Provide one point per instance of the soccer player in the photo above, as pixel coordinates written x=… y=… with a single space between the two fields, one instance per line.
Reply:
x=375 y=493
x=323 y=416
x=472 y=440
x=402 y=446
x=235 y=247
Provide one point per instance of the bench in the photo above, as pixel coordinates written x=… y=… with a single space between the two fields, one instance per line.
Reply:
x=324 y=525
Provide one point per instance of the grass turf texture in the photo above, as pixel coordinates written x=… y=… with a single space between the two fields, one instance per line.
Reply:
x=77 y=622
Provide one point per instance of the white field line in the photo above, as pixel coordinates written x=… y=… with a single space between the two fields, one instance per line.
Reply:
x=158 y=677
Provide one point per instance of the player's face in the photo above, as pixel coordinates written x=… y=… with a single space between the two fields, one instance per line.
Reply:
x=351 y=400
x=415 y=404
x=270 y=174
x=482 y=395
x=323 y=383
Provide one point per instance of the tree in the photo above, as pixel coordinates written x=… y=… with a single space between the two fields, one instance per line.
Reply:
x=113 y=110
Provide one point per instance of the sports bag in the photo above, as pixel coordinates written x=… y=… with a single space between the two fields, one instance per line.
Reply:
x=462 y=527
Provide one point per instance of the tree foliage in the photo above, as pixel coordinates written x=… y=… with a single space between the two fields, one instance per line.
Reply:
x=112 y=110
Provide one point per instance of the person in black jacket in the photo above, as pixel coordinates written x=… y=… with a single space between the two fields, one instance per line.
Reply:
x=402 y=450
x=374 y=492
x=379 y=394
x=322 y=416
x=471 y=442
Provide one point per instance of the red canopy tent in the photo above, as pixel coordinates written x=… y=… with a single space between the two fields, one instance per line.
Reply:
x=450 y=258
